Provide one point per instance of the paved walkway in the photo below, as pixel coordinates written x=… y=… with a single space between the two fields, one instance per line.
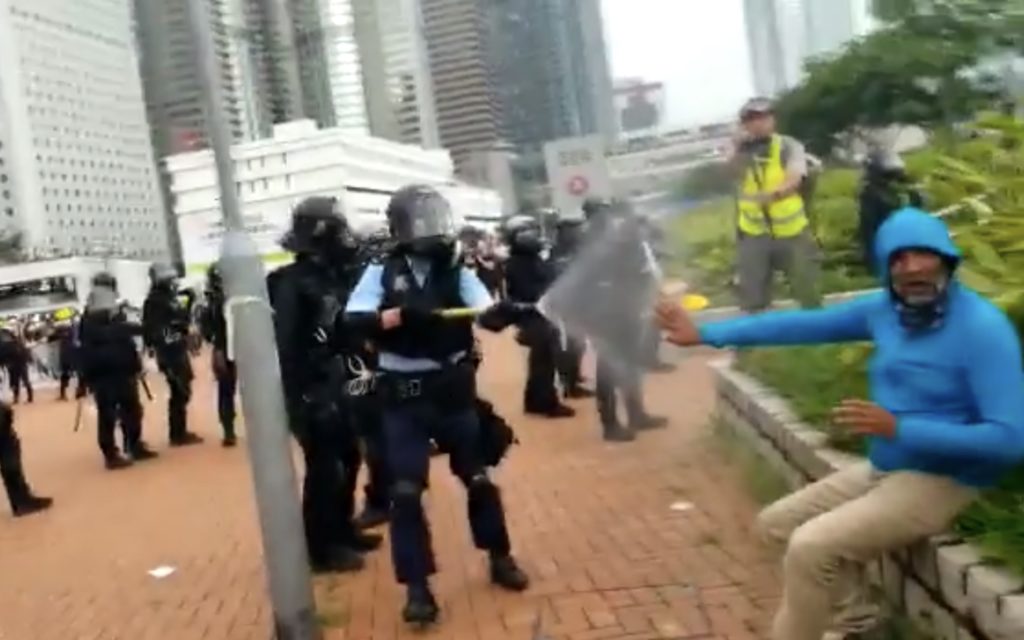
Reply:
x=593 y=524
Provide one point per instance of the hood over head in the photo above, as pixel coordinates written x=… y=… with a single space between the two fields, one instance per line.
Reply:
x=913 y=228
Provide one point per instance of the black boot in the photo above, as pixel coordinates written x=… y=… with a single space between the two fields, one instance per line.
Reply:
x=31 y=504
x=339 y=560
x=364 y=542
x=647 y=422
x=420 y=606
x=578 y=392
x=186 y=439
x=371 y=517
x=615 y=432
x=506 y=574
x=115 y=461
x=141 y=452
x=557 y=410
x=229 y=440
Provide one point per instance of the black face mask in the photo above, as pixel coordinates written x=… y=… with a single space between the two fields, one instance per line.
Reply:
x=438 y=249
x=923 y=314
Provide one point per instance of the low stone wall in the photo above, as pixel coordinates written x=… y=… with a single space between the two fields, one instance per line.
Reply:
x=941 y=583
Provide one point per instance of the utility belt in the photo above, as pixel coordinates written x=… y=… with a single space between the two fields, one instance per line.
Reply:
x=450 y=389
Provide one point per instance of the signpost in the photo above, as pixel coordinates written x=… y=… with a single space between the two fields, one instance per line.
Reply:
x=577 y=170
x=255 y=351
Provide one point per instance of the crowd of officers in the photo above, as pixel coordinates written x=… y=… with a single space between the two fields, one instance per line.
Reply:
x=378 y=358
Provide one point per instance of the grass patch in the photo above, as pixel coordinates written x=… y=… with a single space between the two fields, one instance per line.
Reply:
x=764 y=483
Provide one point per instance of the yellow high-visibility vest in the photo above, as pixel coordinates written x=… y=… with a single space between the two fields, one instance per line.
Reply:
x=788 y=216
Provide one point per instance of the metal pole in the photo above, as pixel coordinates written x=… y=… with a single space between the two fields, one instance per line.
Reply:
x=255 y=353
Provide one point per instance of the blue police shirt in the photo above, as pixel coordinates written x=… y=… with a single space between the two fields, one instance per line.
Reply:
x=369 y=293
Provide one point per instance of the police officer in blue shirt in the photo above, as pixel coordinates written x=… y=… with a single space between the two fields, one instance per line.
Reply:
x=428 y=388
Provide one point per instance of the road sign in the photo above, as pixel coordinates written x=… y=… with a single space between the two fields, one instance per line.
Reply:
x=577 y=170
x=578 y=185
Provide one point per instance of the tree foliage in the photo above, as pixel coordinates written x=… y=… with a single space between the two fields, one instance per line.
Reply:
x=924 y=67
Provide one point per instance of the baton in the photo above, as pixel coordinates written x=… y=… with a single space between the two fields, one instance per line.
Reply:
x=145 y=386
x=469 y=312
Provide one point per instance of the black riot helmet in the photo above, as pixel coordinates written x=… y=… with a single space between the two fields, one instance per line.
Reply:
x=422 y=222
x=162 y=275
x=522 y=233
x=105 y=279
x=569 y=233
x=594 y=207
x=319 y=228
x=214 y=280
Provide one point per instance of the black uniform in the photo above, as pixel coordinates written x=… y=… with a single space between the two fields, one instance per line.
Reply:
x=67 y=355
x=885 y=187
x=166 y=320
x=15 y=357
x=568 y=242
x=622 y=325
x=427 y=378
x=527 y=276
x=308 y=297
x=214 y=328
x=111 y=366
x=23 y=501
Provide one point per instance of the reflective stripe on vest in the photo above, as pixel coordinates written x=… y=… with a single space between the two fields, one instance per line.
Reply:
x=788 y=217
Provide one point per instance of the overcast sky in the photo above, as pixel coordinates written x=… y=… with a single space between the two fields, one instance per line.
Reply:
x=698 y=48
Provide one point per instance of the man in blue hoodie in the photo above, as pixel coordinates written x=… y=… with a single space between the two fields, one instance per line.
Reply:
x=945 y=419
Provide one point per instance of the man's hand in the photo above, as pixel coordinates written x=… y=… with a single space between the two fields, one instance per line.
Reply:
x=679 y=328
x=390 y=318
x=865 y=418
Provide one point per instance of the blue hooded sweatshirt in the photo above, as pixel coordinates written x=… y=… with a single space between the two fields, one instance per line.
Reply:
x=956 y=388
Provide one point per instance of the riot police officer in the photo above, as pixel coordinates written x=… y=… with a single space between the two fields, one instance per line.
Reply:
x=214 y=328
x=110 y=367
x=885 y=187
x=569 y=234
x=427 y=379
x=19 y=494
x=308 y=297
x=527 y=277
x=166 y=322
x=619 y=373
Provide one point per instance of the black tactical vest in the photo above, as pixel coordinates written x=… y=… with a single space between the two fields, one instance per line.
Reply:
x=440 y=290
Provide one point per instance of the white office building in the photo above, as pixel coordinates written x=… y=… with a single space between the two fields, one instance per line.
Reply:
x=77 y=173
x=300 y=161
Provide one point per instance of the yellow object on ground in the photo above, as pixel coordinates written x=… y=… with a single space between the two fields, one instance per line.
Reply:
x=694 y=302
x=64 y=314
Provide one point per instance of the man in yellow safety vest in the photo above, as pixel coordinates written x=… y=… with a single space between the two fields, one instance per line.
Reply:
x=773 y=229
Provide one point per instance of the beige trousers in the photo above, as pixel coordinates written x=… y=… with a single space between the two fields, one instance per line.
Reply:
x=835 y=526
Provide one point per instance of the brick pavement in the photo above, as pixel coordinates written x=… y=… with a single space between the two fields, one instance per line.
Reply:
x=591 y=522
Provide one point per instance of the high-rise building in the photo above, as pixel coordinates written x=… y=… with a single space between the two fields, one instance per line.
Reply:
x=329 y=63
x=588 y=71
x=396 y=71
x=783 y=34
x=552 y=69
x=531 y=62
x=468 y=107
x=170 y=79
x=78 y=172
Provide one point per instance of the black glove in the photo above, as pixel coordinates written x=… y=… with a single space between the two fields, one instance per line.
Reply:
x=417 y=317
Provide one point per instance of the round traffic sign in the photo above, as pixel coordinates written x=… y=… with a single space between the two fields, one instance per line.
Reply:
x=578 y=185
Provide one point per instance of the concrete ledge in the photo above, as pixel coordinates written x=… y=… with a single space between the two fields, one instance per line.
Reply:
x=941 y=583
